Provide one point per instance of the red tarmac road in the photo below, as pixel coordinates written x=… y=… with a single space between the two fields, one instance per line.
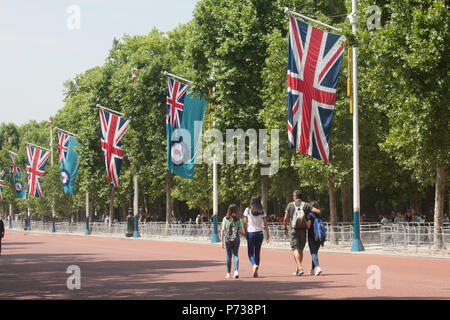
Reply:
x=33 y=266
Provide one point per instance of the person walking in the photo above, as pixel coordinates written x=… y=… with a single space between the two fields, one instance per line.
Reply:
x=232 y=226
x=313 y=243
x=255 y=219
x=2 y=234
x=295 y=215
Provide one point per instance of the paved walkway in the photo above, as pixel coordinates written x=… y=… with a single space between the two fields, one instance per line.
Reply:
x=33 y=266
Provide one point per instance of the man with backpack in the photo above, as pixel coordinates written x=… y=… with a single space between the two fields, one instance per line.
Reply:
x=296 y=216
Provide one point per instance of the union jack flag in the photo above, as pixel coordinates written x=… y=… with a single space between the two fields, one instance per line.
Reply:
x=63 y=144
x=2 y=179
x=176 y=91
x=313 y=67
x=36 y=161
x=113 y=129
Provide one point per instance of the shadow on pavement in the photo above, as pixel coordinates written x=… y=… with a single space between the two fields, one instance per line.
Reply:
x=43 y=276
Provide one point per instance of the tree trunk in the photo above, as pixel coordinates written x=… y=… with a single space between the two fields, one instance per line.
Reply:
x=276 y=208
x=145 y=200
x=346 y=203
x=136 y=197
x=124 y=213
x=91 y=213
x=439 y=206
x=242 y=207
x=111 y=206
x=265 y=193
x=333 y=210
x=168 y=201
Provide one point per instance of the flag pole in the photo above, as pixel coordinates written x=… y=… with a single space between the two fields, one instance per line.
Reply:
x=289 y=12
x=87 y=214
x=136 y=185
x=110 y=110
x=36 y=146
x=357 y=244
x=51 y=162
x=215 y=235
x=177 y=77
x=10 y=205
x=65 y=131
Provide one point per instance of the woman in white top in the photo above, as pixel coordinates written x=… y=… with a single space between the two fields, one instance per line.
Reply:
x=254 y=220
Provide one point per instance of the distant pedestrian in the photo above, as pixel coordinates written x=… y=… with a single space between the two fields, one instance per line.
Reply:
x=363 y=218
x=446 y=218
x=313 y=243
x=295 y=215
x=198 y=220
x=232 y=226
x=408 y=217
x=255 y=219
x=2 y=234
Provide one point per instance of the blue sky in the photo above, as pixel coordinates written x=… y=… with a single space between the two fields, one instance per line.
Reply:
x=39 y=51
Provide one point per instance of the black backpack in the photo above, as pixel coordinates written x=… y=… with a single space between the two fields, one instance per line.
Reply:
x=232 y=233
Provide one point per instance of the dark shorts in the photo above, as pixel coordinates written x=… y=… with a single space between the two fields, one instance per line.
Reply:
x=298 y=239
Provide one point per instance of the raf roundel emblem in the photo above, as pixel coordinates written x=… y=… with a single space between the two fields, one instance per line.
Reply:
x=18 y=187
x=65 y=176
x=179 y=153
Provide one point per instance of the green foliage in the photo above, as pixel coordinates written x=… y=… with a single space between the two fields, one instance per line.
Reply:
x=239 y=48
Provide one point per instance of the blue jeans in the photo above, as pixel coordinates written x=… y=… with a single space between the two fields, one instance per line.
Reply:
x=314 y=250
x=232 y=251
x=254 y=243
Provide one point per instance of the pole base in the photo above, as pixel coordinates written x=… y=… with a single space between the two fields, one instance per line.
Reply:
x=357 y=246
x=136 y=232
x=87 y=227
x=215 y=238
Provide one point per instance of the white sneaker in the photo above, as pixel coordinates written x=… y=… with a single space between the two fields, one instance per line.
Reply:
x=236 y=274
x=227 y=276
x=311 y=272
x=255 y=271
x=318 y=271
x=298 y=272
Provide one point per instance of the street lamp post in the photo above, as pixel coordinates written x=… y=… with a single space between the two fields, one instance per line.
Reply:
x=28 y=228
x=215 y=233
x=10 y=205
x=51 y=160
x=134 y=74
x=357 y=244
x=130 y=227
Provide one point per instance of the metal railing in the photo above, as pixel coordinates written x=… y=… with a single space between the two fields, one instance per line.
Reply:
x=418 y=239
x=399 y=237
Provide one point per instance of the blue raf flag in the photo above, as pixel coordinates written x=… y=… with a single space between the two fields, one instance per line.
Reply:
x=18 y=180
x=184 y=119
x=68 y=160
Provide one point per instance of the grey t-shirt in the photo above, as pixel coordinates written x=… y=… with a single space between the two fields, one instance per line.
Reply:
x=299 y=223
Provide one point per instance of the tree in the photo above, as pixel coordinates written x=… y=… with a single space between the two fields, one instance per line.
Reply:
x=408 y=75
